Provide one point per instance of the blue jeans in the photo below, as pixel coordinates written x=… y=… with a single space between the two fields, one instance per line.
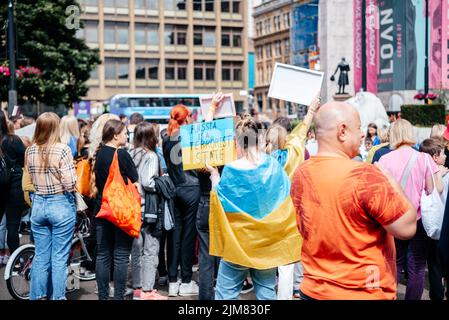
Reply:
x=53 y=224
x=231 y=277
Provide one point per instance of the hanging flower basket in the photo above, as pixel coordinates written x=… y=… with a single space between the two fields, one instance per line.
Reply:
x=430 y=96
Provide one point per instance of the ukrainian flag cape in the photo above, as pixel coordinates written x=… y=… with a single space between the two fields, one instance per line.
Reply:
x=251 y=221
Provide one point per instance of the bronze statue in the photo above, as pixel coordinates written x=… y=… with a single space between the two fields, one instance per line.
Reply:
x=343 y=79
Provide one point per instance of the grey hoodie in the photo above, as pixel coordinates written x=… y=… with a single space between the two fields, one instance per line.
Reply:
x=147 y=165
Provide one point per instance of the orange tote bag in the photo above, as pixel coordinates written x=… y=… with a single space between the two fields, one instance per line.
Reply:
x=83 y=176
x=121 y=203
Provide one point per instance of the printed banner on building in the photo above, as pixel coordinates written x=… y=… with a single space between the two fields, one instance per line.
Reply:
x=445 y=45
x=358 y=38
x=395 y=44
x=208 y=142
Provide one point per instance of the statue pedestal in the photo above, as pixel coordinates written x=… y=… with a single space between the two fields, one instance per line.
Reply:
x=341 y=97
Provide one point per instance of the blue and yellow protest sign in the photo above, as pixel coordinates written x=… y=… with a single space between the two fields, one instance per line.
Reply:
x=211 y=142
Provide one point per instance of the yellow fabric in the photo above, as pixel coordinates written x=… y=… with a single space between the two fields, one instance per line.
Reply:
x=370 y=156
x=27 y=184
x=259 y=244
x=296 y=145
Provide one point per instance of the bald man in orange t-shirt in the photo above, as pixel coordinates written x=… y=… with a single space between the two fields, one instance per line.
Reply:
x=348 y=213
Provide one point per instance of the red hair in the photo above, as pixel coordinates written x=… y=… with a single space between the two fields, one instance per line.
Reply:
x=178 y=116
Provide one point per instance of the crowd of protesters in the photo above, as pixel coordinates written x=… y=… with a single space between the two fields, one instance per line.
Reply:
x=321 y=210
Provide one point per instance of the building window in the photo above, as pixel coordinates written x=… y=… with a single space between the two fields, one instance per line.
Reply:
x=209 y=5
x=146 y=34
x=287 y=46
x=287 y=20
x=116 y=3
x=268 y=51
x=89 y=3
x=236 y=41
x=225 y=7
x=225 y=40
x=116 y=33
x=94 y=74
x=175 y=34
x=232 y=71
x=231 y=33
x=278 y=48
x=175 y=69
x=269 y=71
x=267 y=24
x=116 y=68
x=204 y=70
x=204 y=36
x=277 y=23
x=146 y=4
x=175 y=5
x=259 y=29
x=197 y=5
x=259 y=52
x=197 y=38
x=147 y=69
x=236 y=6
x=89 y=32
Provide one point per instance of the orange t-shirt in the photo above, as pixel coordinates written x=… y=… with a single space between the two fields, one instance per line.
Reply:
x=341 y=207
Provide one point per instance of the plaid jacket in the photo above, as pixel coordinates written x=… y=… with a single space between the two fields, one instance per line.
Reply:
x=60 y=175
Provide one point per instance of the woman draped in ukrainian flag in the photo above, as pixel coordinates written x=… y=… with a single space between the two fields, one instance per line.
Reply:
x=289 y=150
x=251 y=228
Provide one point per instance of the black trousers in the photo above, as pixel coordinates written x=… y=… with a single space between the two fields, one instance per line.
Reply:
x=436 y=291
x=13 y=205
x=113 y=251
x=208 y=265
x=181 y=241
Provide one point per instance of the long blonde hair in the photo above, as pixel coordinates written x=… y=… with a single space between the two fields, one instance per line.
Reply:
x=46 y=134
x=69 y=127
x=96 y=133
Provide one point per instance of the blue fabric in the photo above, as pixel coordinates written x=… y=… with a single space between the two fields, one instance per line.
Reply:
x=230 y=282
x=376 y=141
x=280 y=156
x=72 y=144
x=256 y=192
x=161 y=160
x=53 y=224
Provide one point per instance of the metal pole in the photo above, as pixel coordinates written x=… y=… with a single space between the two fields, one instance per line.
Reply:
x=12 y=93
x=426 y=64
x=364 y=72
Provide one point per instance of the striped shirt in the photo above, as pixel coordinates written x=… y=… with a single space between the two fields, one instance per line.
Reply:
x=60 y=175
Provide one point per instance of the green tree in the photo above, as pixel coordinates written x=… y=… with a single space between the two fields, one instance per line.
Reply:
x=46 y=36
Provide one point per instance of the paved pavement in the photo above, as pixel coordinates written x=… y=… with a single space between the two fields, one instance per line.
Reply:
x=86 y=292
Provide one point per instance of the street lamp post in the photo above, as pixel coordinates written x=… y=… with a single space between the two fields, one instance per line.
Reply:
x=12 y=93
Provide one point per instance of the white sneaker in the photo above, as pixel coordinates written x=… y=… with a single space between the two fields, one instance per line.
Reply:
x=111 y=291
x=5 y=260
x=173 y=289
x=189 y=289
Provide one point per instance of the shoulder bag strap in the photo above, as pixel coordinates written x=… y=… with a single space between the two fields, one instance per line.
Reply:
x=408 y=169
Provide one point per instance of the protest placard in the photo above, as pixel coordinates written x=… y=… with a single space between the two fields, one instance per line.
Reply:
x=295 y=84
x=226 y=108
x=211 y=142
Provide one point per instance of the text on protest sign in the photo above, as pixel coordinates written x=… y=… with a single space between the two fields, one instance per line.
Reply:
x=211 y=142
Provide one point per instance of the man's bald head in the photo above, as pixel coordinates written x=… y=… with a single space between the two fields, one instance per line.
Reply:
x=338 y=127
